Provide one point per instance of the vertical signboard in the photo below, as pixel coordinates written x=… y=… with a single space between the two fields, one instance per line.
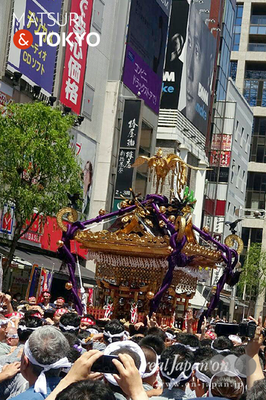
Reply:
x=189 y=65
x=145 y=51
x=173 y=63
x=85 y=149
x=7 y=220
x=128 y=147
x=76 y=56
x=37 y=63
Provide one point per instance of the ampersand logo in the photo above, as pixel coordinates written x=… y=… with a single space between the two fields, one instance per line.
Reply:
x=23 y=39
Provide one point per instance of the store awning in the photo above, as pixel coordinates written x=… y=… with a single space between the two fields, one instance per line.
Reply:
x=226 y=300
x=26 y=257
x=198 y=301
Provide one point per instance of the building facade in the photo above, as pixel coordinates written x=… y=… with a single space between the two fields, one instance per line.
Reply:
x=113 y=88
x=248 y=69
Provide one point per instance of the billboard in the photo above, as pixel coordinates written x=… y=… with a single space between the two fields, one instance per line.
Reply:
x=76 y=56
x=145 y=51
x=188 y=75
x=85 y=149
x=37 y=64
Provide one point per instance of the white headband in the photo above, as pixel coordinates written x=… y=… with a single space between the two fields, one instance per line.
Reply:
x=68 y=327
x=219 y=351
x=231 y=374
x=176 y=381
x=111 y=348
x=154 y=369
x=92 y=331
x=26 y=328
x=186 y=346
x=14 y=336
x=235 y=338
x=110 y=336
x=199 y=374
x=41 y=384
x=170 y=336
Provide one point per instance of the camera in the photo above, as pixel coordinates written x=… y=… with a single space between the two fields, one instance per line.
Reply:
x=105 y=365
x=245 y=329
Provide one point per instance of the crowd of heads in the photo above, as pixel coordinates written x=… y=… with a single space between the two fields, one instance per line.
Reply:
x=170 y=361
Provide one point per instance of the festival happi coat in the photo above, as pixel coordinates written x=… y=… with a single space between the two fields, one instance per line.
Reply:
x=149 y=255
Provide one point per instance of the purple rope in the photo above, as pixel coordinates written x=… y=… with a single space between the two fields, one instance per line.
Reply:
x=175 y=259
x=66 y=255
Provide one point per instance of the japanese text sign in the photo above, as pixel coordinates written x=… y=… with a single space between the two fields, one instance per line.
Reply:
x=37 y=64
x=128 y=145
x=75 y=57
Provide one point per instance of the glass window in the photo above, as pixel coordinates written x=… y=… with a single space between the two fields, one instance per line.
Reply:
x=258 y=145
x=237 y=27
x=253 y=30
x=262 y=30
x=262 y=126
x=239 y=11
x=254 y=19
x=233 y=70
x=256 y=186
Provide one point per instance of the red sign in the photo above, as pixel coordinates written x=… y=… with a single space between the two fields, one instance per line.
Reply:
x=75 y=58
x=34 y=234
x=47 y=233
x=52 y=233
x=221 y=142
x=7 y=220
x=220 y=158
x=42 y=285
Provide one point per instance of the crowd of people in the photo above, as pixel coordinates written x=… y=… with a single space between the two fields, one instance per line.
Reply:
x=48 y=351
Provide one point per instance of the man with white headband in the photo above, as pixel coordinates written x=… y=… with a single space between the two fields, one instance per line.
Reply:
x=16 y=385
x=130 y=349
x=221 y=344
x=4 y=347
x=70 y=323
x=113 y=332
x=150 y=376
x=201 y=377
x=190 y=341
x=175 y=369
x=44 y=355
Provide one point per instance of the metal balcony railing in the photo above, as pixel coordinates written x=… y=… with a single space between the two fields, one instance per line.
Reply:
x=257 y=47
x=251 y=213
x=257 y=29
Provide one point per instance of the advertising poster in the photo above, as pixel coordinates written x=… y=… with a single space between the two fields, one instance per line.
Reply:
x=173 y=63
x=37 y=63
x=76 y=57
x=221 y=142
x=189 y=65
x=221 y=158
x=85 y=149
x=6 y=94
x=145 y=51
